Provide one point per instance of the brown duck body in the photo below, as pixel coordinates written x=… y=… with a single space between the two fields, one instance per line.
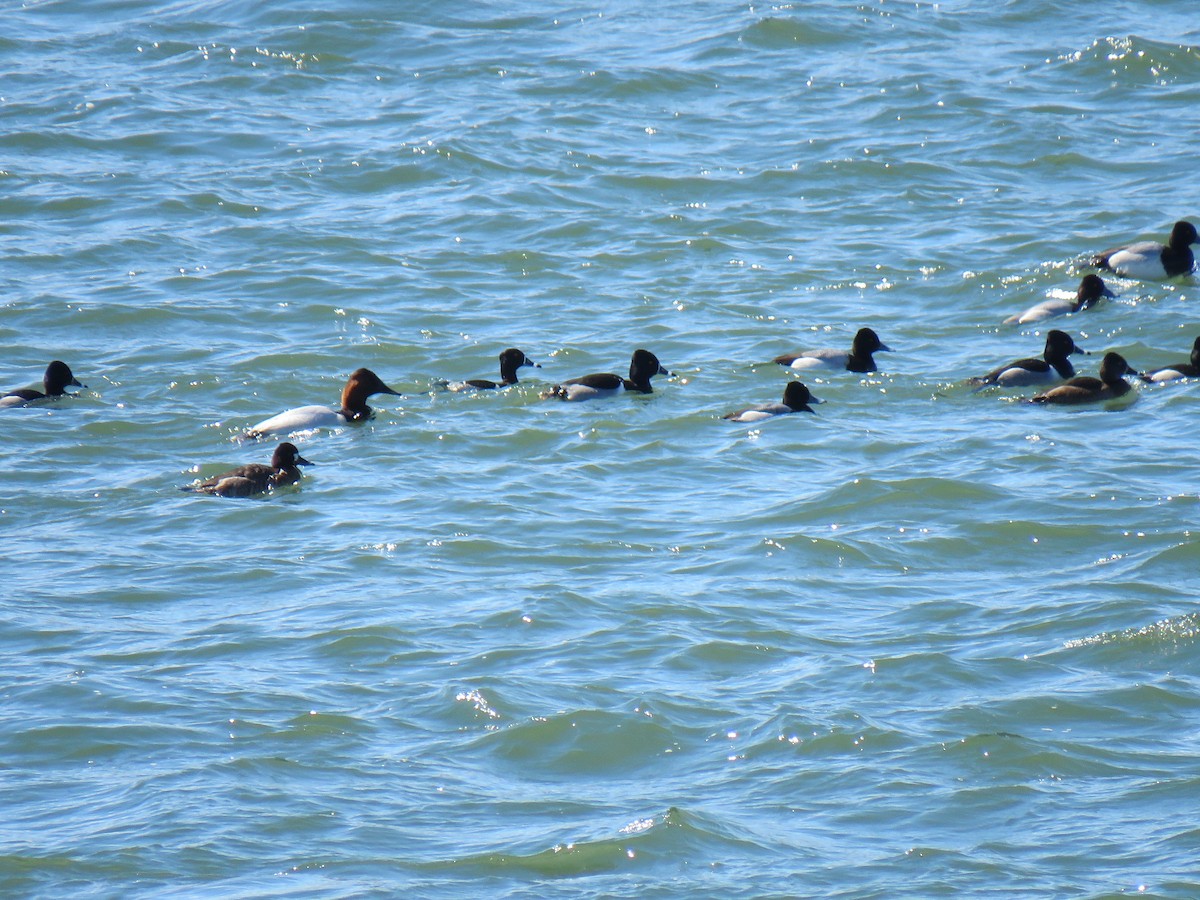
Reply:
x=255 y=478
x=1085 y=389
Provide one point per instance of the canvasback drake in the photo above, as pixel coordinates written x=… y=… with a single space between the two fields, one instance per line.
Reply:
x=362 y=384
x=642 y=368
x=1150 y=259
x=1053 y=366
x=796 y=397
x=510 y=360
x=1189 y=369
x=1091 y=289
x=255 y=478
x=1085 y=389
x=857 y=359
x=57 y=379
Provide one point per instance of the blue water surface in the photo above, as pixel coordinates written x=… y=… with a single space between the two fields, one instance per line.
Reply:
x=928 y=642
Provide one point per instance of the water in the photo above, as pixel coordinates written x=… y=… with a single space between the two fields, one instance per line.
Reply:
x=924 y=643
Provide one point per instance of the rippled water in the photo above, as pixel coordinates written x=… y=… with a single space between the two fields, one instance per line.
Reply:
x=926 y=643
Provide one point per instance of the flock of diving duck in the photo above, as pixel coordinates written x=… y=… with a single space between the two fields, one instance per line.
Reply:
x=1145 y=260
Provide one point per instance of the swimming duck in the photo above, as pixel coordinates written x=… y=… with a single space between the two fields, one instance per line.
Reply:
x=1091 y=289
x=796 y=398
x=363 y=383
x=1053 y=366
x=510 y=360
x=255 y=478
x=1189 y=369
x=642 y=368
x=1085 y=389
x=1150 y=259
x=858 y=358
x=58 y=377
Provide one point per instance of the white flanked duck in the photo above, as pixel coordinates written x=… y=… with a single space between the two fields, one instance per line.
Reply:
x=1091 y=289
x=1189 y=369
x=796 y=398
x=1054 y=365
x=1150 y=259
x=510 y=360
x=642 y=368
x=859 y=358
x=363 y=383
x=55 y=382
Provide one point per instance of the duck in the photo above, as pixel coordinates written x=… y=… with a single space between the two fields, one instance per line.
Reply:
x=57 y=379
x=1091 y=289
x=858 y=358
x=1084 y=389
x=255 y=479
x=1053 y=366
x=363 y=383
x=510 y=360
x=796 y=398
x=1150 y=259
x=642 y=367
x=1189 y=369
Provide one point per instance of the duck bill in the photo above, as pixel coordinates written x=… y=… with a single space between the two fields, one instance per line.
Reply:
x=301 y=461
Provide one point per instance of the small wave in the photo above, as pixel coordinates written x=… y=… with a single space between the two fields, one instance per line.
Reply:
x=725 y=656
x=1139 y=60
x=1169 y=633
x=671 y=837
x=1019 y=762
x=775 y=32
x=635 y=83
x=569 y=744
